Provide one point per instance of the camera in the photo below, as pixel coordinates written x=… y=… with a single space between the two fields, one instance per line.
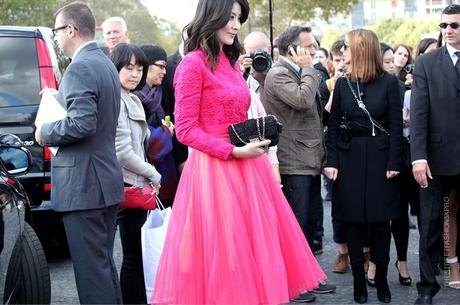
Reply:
x=409 y=69
x=261 y=61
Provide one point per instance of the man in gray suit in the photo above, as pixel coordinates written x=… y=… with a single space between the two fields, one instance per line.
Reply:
x=86 y=176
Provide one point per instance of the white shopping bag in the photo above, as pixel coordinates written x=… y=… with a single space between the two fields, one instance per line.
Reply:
x=153 y=234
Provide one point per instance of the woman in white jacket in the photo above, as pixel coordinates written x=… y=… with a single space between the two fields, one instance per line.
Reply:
x=130 y=143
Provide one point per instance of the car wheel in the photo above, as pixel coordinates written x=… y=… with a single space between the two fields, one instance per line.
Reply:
x=28 y=274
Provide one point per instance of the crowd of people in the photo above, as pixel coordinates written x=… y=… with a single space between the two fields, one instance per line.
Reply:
x=379 y=122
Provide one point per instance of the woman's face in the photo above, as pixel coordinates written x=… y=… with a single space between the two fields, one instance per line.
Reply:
x=156 y=74
x=130 y=75
x=227 y=34
x=401 y=57
x=388 y=64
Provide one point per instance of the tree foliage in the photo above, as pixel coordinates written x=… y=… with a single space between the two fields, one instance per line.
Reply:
x=289 y=12
x=331 y=35
x=407 y=31
x=142 y=27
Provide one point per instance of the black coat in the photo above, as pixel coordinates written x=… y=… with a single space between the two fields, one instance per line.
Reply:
x=362 y=193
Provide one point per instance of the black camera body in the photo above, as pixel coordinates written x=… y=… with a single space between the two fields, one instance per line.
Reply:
x=261 y=61
x=409 y=69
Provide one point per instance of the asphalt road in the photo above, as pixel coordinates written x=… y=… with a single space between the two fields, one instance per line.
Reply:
x=64 y=292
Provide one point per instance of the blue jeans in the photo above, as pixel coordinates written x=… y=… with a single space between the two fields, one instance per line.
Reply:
x=303 y=192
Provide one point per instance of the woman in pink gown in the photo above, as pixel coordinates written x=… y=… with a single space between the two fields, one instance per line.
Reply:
x=232 y=236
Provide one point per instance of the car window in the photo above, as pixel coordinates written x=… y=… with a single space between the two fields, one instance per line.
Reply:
x=19 y=74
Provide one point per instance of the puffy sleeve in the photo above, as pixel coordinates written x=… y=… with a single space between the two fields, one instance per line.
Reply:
x=188 y=83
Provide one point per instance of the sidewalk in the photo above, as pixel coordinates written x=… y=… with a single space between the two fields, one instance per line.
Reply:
x=400 y=294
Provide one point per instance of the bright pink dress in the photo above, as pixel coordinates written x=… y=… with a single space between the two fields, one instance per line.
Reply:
x=232 y=236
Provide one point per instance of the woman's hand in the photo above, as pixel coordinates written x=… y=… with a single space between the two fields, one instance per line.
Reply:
x=331 y=172
x=251 y=150
x=391 y=174
x=169 y=125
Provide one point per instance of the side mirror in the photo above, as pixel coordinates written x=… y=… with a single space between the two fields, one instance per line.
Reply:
x=14 y=160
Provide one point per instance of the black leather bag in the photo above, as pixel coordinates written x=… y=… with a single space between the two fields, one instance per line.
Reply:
x=255 y=130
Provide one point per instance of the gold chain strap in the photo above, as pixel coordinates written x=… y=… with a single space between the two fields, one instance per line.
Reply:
x=261 y=135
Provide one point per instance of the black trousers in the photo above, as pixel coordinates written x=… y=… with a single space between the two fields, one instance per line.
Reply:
x=379 y=235
x=132 y=283
x=91 y=234
x=433 y=200
x=303 y=192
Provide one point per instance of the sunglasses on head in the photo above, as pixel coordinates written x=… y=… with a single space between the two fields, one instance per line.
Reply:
x=453 y=25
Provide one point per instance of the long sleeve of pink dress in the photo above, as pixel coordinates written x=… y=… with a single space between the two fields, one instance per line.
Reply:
x=207 y=102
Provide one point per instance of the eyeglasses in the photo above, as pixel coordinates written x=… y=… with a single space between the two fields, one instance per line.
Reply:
x=453 y=25
x=55 y=30
x=161 y=66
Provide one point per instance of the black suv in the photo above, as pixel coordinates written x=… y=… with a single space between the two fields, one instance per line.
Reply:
x=24 y=273
x=30 y=61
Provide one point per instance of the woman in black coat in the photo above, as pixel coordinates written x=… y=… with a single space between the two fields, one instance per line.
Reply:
x=364 y=157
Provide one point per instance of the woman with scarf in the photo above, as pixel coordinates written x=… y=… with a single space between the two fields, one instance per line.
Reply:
x=160 y=140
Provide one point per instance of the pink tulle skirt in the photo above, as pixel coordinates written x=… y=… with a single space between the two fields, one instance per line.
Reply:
x=233 y=238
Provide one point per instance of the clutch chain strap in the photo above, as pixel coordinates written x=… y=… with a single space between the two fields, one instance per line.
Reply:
x=261 y=135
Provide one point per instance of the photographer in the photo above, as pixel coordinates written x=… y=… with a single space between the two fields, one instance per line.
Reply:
x=256 y=64
x=257 y=61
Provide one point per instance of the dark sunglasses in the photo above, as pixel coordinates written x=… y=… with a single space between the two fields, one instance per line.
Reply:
x=453 y=25
x=161 y=66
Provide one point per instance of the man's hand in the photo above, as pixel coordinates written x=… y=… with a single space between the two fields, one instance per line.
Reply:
x=391 y=174
x=38 y=136
x=245 y=62
x=331 y=172
x=421 y=171
x=251 y=150
x=301 y=57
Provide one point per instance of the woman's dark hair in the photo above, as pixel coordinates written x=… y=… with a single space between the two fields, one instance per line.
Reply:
x=324 y=51
x=121 y=57
x=423 y=45
x=211 y=16
x=384 y=47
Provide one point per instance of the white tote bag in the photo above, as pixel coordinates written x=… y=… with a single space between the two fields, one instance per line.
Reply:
x=153 y=234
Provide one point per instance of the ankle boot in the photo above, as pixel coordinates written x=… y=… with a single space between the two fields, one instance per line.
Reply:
x=359 y=283
x=381 y=283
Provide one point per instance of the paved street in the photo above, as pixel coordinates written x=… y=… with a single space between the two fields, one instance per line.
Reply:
x=64 y=292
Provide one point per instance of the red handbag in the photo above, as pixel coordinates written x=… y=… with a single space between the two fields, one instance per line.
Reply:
x=139 y=198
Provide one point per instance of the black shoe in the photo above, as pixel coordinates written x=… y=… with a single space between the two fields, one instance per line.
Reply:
x=324 y=288
x=304 y=297
x=424 y=299
x=317 y=248
x=381 y=283
x=359 y=284
x=405 y=281
x=384 y=294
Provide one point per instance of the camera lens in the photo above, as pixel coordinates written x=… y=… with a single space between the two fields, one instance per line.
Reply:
x=409 y=68
x=261 y=61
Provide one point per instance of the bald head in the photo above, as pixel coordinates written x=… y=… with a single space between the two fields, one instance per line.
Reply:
x=255 y=41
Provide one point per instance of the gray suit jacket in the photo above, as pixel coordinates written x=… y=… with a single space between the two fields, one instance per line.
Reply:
x=294 y=100
x=85 y=172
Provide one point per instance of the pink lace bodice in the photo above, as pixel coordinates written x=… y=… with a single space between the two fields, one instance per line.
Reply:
x=207 y=102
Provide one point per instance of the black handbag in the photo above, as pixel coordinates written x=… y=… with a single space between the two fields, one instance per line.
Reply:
x=255 y=130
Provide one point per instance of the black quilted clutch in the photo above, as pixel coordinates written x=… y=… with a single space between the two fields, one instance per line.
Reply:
x=255 y=130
